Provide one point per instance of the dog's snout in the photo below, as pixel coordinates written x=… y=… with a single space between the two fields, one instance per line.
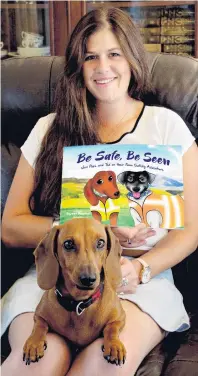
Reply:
x=116 y=194
x=87 y=280
x=136 y=189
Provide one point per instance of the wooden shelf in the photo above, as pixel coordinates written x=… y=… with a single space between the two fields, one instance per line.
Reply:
x=24 y=6
x=129 y=4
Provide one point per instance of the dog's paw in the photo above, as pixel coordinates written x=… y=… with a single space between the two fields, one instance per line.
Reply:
x=114 y=352
x=33 y=350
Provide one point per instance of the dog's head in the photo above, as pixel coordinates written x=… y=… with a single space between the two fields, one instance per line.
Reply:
x=101 y=186
x=84 y=251
x=136 y=182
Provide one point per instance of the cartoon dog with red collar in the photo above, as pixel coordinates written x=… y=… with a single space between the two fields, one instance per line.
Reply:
x=100 y=192
x=155 y=210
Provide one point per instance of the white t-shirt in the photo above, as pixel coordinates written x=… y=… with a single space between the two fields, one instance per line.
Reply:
x=155 y=126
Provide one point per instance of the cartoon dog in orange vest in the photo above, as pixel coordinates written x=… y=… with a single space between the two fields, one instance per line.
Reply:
x=155 y=210
x=101 y=191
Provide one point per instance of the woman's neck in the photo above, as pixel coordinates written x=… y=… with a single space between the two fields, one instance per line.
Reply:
x=110 y=114
x=115 y=119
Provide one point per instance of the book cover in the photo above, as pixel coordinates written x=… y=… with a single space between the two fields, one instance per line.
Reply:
x=123 y=185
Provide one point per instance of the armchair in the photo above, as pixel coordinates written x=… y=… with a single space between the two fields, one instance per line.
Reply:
x=27 y=94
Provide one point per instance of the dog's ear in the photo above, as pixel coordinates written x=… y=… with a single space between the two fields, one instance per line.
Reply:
x=113 y=174
x=122 y=177
x=151 y=177
x=90 y=196
x=47 y=266
x=112 y=266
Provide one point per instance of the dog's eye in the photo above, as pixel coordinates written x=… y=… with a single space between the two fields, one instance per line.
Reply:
x=100 y=243
x=100 y=181
x=130 y=179
x=142 y=179
x=69 y=245
x=110 y=178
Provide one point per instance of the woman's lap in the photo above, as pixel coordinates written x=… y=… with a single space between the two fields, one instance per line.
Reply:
x=139 y=336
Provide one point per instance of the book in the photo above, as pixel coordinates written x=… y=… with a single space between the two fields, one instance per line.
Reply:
x=175 y=48
x=178 y=30
x=153 y=47
x=177 y=39
x=123 y=185
x=174 y=12
x=150 y=31
x=177 y=21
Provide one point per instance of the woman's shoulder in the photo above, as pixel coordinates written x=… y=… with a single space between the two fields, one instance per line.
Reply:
x=164 y=119
x=31 y=147
x=170 y=126
x=45 y=122
x=159 y=111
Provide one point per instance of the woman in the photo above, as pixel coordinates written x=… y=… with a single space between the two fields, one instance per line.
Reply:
x=99 y=99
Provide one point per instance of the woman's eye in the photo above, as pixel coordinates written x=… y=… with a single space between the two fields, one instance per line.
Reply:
x=69 y=245
x=114 y=54
x=90 y=57
x=100 y=243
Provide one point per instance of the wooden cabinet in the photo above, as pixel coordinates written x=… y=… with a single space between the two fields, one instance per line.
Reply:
x=26 y=28
x=166 y=26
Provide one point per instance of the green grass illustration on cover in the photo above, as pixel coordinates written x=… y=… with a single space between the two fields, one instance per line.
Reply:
x=123 y=185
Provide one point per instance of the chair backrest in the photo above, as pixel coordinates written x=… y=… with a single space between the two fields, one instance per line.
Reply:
x=28 y=90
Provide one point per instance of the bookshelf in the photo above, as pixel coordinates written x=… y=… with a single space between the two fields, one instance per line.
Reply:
x=165 y=26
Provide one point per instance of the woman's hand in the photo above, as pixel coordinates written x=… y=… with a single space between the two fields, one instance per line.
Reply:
x=131 y=237
x=130 y=276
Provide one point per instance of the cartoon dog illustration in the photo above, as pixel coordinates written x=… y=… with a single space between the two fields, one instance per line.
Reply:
x=155 y=210
x=99 y=191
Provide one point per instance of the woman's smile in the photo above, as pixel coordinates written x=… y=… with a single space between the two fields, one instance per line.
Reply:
x=104 y=82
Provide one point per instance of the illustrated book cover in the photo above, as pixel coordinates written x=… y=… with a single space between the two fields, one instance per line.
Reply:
x=124 y=185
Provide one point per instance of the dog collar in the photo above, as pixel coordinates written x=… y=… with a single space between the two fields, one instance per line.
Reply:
x=79 y=306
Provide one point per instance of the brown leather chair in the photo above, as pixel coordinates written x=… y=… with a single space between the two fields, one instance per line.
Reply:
x=27 y=93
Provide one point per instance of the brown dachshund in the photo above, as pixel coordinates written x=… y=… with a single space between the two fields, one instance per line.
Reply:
x=78 y=263
x=99 y=191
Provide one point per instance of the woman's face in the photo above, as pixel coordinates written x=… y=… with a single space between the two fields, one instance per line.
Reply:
x=106 y=71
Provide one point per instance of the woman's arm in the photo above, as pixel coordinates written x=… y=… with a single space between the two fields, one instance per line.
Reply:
x=20 y=228
x=178 y=244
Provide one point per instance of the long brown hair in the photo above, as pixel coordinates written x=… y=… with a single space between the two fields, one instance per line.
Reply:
x=74 y=123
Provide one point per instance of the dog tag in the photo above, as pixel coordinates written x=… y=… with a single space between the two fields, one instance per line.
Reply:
x=79 y=310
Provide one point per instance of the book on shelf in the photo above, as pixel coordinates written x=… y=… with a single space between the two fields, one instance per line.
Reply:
x=148 y=22
x=123 y=185
x=174 y=12
x=177 y=30
x=163 y=11
x=176 y=39
x=174 y=48
x=167 y=30
x=177 y=21
x=151 y=39
x=153 y=47
x=149 y=31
